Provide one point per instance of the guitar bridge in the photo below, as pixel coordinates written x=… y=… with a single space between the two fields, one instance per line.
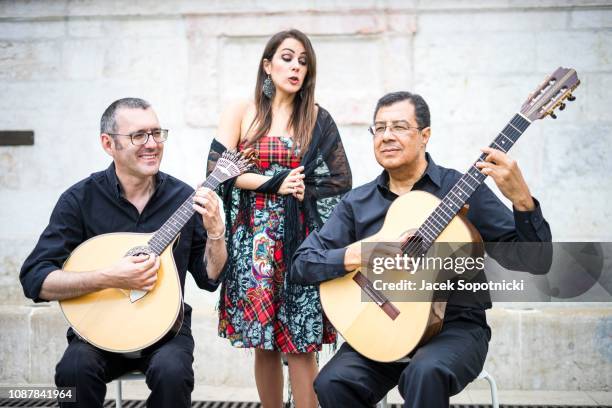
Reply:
x=377 y=297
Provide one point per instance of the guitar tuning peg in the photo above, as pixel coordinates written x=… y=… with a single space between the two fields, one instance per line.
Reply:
x=571 y=98
x=562 y=106
x=552 y=115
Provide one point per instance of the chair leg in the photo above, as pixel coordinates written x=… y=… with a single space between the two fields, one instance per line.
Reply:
x=493 y=385
x=118 y=397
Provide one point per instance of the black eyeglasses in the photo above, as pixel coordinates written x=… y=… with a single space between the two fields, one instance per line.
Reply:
x=397 y=127
x=141 y=137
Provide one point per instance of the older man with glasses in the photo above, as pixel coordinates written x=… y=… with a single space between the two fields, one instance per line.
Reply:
x=455 y=356
x=131 y=195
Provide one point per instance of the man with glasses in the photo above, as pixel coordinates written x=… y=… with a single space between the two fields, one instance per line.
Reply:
x=455 y=356
x=131 y=195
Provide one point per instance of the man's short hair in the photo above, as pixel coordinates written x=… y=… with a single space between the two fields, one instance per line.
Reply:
x=108 y=122
x=421 y=110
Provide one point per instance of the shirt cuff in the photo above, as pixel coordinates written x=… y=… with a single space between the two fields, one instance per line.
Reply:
x=33 y=281
x=533 y=217
x=335 y=263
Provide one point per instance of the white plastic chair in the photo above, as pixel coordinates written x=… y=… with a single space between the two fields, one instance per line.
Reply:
x=133 y=375
x=483 y=375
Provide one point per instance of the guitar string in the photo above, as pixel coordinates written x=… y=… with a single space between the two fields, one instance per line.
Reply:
x=411 y=244
x=162 y=237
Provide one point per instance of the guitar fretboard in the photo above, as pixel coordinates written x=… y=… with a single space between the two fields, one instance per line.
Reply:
x=465 y=187
x=171 y=228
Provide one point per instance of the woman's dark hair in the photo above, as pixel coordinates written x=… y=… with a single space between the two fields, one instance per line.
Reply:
x=303 y=118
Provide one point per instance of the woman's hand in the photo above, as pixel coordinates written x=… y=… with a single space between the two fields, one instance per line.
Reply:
x=293 y=183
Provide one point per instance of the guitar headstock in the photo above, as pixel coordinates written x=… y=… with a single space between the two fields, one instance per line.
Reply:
x=551 y=94
x=232 y=164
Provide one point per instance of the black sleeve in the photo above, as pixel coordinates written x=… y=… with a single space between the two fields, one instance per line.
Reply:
x=321 y=255
x=500 y=227
x=62 y=235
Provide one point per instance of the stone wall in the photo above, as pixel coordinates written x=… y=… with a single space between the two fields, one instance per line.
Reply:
x=62 y=62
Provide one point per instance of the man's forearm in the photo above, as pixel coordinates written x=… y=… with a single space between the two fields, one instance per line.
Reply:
x=216 y=256
x=60 y=284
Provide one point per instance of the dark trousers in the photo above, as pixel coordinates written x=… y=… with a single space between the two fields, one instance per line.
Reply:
x=437 y=370
x=168 y=370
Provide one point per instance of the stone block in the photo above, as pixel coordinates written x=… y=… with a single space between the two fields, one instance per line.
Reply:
x=474 y=98
x=118 y=8
x=501 y=54
x=581 y=50
x=397 y=63
x=238 y=60
x=47 y=342
x=201 y=106
x=570 y=152
x=13 y=252
x=216 y=361
x=513 y=5
x=12 y=294
x=154 y=26
x=503 y=359
x=29 y=9
x=153 y=60
x=591 y=18
x=15 y=352
x=24 y=100
x=8 y=164
x=487 y=21
x=82 y=59
x=581 y=350
x=593 y=100
x=342 y=83
x=577 y=221
x=86 y=27
x=310 y=22
x=25 y=30
x=194 y=7
x=39 y=60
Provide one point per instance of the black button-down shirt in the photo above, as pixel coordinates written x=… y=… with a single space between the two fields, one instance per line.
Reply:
x=95 y=206
x=361 y=213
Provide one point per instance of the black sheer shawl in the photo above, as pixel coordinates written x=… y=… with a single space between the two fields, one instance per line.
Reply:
x=327 y=178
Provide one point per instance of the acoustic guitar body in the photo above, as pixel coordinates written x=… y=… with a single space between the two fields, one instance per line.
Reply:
x=388 y=330
x=363 y=323
x=109 y=319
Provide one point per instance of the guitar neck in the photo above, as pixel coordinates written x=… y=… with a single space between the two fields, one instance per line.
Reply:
x=458 y=195
x=171 y=228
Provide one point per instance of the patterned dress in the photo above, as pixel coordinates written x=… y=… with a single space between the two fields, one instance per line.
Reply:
x=255 y=305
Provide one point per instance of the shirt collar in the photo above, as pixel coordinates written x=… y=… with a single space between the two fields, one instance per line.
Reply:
x=111 y=176
x=432 y=172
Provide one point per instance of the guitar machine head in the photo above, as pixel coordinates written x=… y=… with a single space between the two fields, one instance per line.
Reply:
x=551 y=94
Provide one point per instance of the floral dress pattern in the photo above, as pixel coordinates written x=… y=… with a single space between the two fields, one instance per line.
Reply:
x=255 y=305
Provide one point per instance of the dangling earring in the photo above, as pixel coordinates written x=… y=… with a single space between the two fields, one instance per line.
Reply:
x=268 y=87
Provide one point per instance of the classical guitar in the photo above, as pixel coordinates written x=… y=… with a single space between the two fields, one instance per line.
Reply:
x=385 y=330
x=125 y=321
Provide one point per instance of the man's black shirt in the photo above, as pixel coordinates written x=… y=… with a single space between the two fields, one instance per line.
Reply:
x=362 y=211
x=95 y=206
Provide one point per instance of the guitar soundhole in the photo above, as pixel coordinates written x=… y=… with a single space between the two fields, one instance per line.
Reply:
x=140 y=250
x=413 y=246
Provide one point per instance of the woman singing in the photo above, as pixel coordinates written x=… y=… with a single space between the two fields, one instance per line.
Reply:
x=301 y=175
